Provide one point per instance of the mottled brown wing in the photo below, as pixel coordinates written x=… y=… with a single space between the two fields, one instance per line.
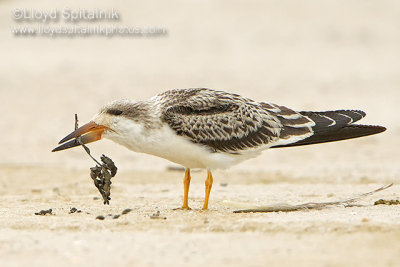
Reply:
x=229 y=123
x=224 y=128
x=226 y=122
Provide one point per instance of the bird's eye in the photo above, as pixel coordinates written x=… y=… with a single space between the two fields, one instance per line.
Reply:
x=114 y=112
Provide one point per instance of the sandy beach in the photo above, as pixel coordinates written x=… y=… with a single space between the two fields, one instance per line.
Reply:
x=304 y=55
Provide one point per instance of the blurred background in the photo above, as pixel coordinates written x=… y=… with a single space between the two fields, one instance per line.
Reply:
x=307 y=55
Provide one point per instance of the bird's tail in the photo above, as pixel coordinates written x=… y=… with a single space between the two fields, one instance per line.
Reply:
x=335 y=126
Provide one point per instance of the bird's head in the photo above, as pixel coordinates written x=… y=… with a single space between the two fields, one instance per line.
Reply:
x=111 y=122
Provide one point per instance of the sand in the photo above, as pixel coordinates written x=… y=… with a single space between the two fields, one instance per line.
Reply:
x=334 y=236
x=307 y=56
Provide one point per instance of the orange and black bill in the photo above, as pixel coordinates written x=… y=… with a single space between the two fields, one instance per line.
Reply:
x=90 y=132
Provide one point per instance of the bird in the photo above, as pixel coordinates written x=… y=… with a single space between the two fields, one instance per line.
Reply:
x=212 y=129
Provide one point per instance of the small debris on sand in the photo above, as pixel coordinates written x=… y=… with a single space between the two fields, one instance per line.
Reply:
x=36 y=190
x=100 y=217
x=56 y=190
x=44 y=212
x=74 y=210
x=387 y=202
x=126 y=211
x=157 y=216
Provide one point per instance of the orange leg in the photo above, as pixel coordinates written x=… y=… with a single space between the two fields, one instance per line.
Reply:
x=186 y=185
x=209 y=182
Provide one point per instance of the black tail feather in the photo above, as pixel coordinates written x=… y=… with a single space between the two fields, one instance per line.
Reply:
x=347 y=132
x=335 y=126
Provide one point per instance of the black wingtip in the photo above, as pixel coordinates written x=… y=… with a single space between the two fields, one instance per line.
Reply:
x=368 y=129
x=348 y=132
x=378 y=128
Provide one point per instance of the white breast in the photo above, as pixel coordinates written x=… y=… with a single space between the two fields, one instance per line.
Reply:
x=163 y=142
